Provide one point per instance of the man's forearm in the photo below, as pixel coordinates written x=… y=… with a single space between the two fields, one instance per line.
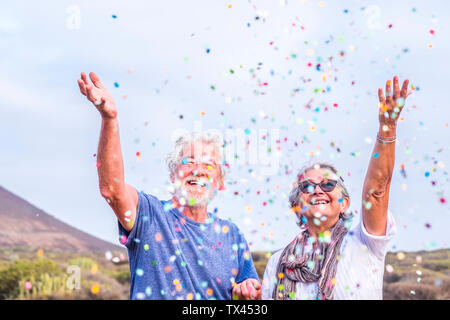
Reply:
x=109 y=160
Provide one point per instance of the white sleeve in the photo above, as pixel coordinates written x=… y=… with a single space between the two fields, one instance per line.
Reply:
x=378 y=245
x=269 y=278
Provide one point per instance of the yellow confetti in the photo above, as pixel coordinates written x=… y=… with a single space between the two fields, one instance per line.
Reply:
x=401 y=256
x=95 y=289
x=94 y=269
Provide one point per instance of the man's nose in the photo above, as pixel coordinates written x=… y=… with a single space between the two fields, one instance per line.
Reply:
x=200 y=169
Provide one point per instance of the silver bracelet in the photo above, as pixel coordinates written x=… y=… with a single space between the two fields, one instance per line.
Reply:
x=386 y=140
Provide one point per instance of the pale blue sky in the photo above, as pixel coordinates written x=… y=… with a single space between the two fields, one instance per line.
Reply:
x=157 y=53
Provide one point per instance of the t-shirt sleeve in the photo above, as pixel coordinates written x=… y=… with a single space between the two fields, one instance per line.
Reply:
x=378 y=245
x=246 y=267
x=144 y=216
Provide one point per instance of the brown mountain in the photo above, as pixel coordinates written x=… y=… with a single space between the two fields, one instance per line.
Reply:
x=24 y=225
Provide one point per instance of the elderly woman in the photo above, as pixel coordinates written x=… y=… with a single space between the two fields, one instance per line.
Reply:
x=328 y=260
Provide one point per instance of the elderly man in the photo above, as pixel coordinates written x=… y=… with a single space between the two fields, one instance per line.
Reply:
x=177 y=249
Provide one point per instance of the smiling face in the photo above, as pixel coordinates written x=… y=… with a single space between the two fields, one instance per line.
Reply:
x=324 y=206
x=198 y=175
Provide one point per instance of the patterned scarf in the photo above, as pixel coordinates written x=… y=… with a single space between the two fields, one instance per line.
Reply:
x=320 y=265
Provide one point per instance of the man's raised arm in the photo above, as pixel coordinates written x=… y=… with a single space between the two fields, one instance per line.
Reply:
x=122 y=197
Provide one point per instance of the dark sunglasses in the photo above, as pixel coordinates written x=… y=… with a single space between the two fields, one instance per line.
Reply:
x=326 y=185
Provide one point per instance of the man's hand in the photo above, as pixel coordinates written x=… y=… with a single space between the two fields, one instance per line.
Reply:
x=391 y=105
x=98 y=95
x=249 y=289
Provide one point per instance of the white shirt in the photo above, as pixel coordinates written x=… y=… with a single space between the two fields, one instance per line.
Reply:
x=360 y=270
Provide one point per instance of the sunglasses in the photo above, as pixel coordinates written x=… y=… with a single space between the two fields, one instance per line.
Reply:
x=326 y=185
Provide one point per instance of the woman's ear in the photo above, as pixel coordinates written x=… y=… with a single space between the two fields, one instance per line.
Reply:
x=344 y=204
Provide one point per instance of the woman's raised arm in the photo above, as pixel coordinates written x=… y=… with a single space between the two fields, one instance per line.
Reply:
x=375 y=196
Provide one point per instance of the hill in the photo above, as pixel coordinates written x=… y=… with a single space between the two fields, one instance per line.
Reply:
x=22 y=225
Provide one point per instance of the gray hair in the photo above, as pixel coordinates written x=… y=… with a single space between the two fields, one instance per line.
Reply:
x=295 y=192
x=175 y=157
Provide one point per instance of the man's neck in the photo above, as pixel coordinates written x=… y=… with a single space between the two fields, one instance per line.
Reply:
x=196 y=213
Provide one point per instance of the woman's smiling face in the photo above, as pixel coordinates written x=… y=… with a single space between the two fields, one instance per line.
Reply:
x=325 y=206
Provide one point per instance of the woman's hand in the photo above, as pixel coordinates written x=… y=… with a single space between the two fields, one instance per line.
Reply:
x=391 y=105
x=98 y=94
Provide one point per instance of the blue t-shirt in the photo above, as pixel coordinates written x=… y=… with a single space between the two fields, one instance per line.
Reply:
x=174 y=257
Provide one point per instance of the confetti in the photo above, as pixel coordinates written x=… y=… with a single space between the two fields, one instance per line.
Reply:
x=95 y=289
x=401 y=255
x=28 y=285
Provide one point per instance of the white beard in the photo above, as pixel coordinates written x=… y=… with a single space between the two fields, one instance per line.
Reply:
x=200 y=199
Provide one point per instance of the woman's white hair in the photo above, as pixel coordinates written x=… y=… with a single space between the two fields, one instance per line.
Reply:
x=186 y=139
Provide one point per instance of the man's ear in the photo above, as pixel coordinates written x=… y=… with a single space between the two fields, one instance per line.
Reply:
x=221 y=185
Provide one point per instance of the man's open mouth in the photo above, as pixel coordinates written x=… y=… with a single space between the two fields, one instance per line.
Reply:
x=197 y=182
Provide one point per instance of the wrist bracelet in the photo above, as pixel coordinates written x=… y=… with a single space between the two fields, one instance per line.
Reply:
x=386 y=140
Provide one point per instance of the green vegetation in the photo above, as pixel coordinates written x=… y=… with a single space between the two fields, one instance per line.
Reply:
x=25 y=274
x=423 y=275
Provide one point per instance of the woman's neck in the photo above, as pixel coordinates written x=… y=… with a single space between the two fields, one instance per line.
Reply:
x=314 y=230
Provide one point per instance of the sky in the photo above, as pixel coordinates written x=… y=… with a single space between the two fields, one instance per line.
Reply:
x=305 y=71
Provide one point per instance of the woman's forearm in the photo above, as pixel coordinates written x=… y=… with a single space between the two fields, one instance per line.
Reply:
x=381 y=165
